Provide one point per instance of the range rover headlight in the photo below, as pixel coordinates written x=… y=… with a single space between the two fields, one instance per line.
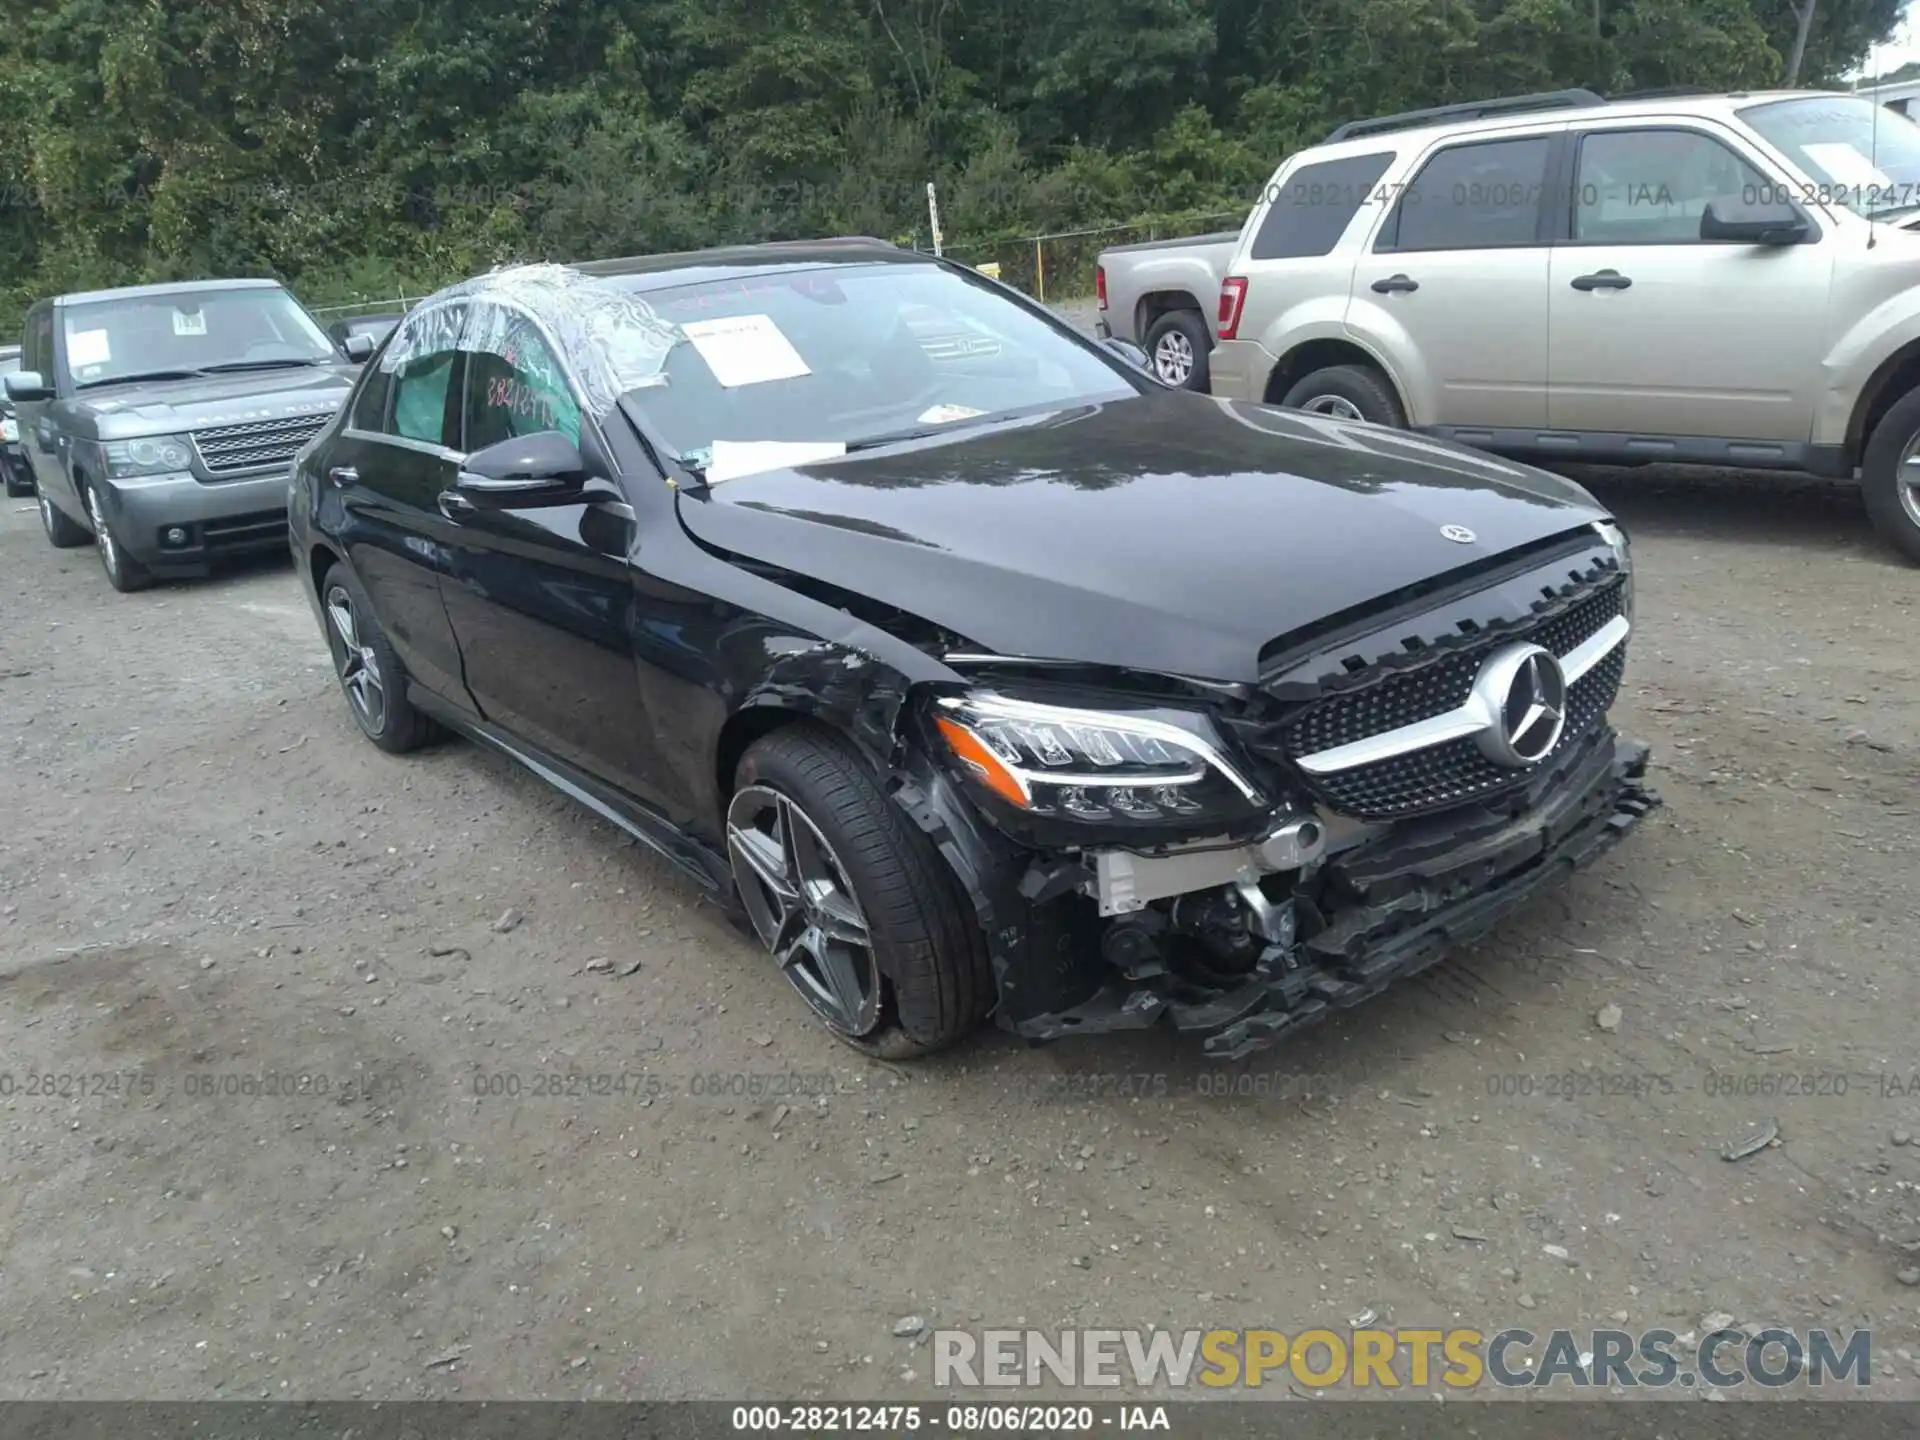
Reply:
x=1095 y=766
x=150 y=455
x=1622 y=548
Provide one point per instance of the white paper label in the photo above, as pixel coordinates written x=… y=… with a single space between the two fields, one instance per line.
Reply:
x=745 y=350
x=733 y=458
x=189 y=322
x=947 y=414
x=1849 y=167
x=87 y=347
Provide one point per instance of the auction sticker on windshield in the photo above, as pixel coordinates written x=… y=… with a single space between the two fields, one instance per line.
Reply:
x=87 y=347
x=189 y=322
x=733 y=458
x=947 y=414
x=745 y=350
x=1848 y=166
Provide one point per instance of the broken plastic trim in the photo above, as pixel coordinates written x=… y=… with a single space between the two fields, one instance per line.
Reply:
x=610 y=340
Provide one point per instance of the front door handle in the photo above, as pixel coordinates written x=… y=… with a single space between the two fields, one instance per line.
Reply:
x=1395 y=283
x=456 y=506
x=341 y=476
x=1601 y=280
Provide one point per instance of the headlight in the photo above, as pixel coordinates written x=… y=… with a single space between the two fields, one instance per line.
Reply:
x=1094 y=766
x=9 y=428
x=1622 y=548
x=155 y=455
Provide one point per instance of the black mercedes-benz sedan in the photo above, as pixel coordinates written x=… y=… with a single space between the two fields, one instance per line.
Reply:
x=970 y=667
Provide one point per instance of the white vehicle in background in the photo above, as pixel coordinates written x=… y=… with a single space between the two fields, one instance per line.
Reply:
x=1161 y=296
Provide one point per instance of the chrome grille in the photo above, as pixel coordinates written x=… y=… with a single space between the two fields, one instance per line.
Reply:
x=1454 y=771
x=255 y=445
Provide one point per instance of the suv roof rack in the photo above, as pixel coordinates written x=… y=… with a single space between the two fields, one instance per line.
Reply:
x=1662 y=92
x=1471 y=110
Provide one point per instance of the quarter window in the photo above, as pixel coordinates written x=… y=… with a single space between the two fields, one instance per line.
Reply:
x=1310 y=210
x=520 y=389
x=1649 y=187
x=1472 y=197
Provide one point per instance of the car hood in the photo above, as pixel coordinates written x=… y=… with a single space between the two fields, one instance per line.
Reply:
x=1172 y=532
x=168 y=407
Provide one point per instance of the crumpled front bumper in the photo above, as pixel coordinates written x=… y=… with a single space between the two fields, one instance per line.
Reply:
x=1409 y=899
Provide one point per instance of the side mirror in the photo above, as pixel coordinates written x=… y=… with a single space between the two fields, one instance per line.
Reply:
x=1773 y=225
x=540 y=469
x=1133 y=354
x=28 y=385
x=357 y=348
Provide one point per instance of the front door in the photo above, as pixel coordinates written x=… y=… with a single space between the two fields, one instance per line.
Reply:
x=542 y=597
x=1658 y=332
x=390 y=467
x=1452 y=290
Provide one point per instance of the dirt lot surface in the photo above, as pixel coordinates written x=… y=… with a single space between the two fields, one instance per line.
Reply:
x=296 y=1001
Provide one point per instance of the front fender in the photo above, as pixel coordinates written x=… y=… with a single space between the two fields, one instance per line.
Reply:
x=1860 y=362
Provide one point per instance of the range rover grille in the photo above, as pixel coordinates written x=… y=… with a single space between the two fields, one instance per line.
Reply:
x=236 y=449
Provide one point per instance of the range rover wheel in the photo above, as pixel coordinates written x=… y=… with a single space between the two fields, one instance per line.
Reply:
x=124 y=573
x=1348 y=392
x=1178 y=343
x=370 y=673
x=1890 y=476
x=62 y=533
x=852 y=900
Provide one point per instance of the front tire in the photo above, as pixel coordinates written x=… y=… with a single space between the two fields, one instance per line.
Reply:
x=853 y=901
x=371 y=676
x=124 y=573
x=1348 y=392
x=62 y=533
x=1177 y=344
x=1890 y=476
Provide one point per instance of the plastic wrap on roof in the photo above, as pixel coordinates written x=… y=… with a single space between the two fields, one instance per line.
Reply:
x=612 y=338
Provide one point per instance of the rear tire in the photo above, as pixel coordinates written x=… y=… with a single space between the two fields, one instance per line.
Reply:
x=1177 y=344
x=371 y=676
x=1348 y=392
x=903 y=971
x=62 y=533
x=1890 y=476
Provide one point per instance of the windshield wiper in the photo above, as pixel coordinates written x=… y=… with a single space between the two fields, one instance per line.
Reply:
x=901 y=437
x=138 y=375
x=227 y=366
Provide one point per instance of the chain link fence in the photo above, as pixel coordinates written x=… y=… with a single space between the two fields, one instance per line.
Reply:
x=1053 y=267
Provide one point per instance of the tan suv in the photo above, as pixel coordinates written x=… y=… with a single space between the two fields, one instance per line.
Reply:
x=1707 y=279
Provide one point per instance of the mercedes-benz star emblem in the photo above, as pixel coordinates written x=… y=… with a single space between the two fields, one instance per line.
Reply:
x=1523 y=692
x=1459 y=534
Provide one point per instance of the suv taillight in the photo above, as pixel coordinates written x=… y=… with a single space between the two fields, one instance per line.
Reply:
x=1100 y=285
x=1233 y=299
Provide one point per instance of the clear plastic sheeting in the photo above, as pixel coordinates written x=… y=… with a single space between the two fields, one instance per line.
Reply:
x=612 y=340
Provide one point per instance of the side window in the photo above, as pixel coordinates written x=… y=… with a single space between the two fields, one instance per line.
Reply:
x=519 y=389
x=37 y=353
x=1312 y=207
x=1472 y=197
x=1648 y=187
x=420 y=398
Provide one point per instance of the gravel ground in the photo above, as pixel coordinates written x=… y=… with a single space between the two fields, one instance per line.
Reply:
x=211 y=888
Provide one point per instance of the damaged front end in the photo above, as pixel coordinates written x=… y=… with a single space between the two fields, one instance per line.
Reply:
x=1236 y=862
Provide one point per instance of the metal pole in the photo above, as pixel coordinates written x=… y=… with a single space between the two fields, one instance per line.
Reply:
x=1040 y=270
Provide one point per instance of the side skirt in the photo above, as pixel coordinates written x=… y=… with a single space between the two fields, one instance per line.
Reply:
x=702 y=863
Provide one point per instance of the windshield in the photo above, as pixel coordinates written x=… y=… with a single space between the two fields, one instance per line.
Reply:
x=843 y=354
x=191 y=332
x=1859 y=154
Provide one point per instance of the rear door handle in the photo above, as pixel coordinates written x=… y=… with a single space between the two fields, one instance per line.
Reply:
x=1395 y=283
x=456 y=506
x=342 y=476
x=1601 y=280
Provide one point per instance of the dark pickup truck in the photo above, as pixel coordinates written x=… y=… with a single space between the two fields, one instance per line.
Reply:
x=161 y=420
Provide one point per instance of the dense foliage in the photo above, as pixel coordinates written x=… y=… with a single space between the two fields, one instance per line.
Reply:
x=361 y=146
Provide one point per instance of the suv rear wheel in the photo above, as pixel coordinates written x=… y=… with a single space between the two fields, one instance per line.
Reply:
x=1348 y=392
x=1890 y=475
x=852 y=900
x=1178 y=343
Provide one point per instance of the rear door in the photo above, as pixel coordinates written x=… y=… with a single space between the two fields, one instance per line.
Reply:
x=542 y=597
x=37 y=439
x=1658 y=332
x=1452 y=289
x=390 y=465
